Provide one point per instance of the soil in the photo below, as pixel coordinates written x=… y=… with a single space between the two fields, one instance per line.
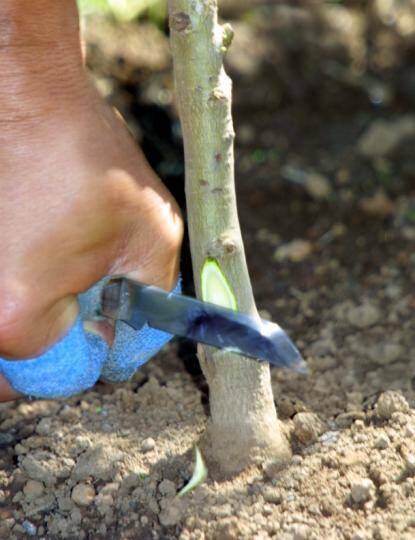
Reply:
x=329 y=225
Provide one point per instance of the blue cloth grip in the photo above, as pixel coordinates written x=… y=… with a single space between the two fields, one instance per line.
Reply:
x=70 y=366
x=80 y=358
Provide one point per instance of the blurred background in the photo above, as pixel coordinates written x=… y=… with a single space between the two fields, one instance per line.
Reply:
x=324 y=110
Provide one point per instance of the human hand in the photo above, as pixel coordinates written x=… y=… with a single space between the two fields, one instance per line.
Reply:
x=83 y=356
x=78 y=201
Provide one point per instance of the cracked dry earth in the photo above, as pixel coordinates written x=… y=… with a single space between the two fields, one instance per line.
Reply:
x=109 y=463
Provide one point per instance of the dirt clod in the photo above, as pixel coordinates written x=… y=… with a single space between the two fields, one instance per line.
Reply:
x=297 y=531
x=167 y=488
x=386 y=353
x=383 y=137
x=40 y=466
x=318 y=186
x=382 y=442
x=307 y=427
x=29 y=528
x=99 y=462
x=391 y=402
x=172 y=513
x=295 y=251
x=364 y=315
x=33 y=489
x=83 y=494
x=362 y=490
x=148 y=445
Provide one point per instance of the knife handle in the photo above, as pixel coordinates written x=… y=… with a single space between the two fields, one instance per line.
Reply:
x=117 y=303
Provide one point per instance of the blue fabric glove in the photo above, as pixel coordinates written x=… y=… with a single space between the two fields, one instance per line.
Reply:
x=80 y=358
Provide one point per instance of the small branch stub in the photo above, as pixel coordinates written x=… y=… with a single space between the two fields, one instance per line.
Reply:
x=180 y=22
x=227 y=36
x=221 y=247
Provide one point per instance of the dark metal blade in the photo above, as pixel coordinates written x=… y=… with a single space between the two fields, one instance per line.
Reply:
x=137 y=304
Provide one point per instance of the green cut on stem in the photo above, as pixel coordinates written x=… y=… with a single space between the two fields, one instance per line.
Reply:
x=215 y=286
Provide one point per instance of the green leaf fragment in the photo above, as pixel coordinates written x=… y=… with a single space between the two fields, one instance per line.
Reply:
x=215 y=286
x=199 y=474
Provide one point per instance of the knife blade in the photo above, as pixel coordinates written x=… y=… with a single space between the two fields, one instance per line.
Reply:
x=137 y=304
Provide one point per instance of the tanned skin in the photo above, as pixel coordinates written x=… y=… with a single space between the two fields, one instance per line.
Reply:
x=78 y=200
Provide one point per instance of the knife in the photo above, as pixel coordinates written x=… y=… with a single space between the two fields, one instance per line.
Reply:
x=137 y=304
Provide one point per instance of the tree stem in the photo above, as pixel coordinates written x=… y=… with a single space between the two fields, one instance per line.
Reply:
x=244 y=424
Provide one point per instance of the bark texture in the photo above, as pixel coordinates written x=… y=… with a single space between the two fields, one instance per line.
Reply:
x=244 y=427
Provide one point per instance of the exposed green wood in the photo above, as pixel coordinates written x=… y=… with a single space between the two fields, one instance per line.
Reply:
x=215 y=287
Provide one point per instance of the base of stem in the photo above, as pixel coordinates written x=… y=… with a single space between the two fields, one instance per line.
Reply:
x=230 y=450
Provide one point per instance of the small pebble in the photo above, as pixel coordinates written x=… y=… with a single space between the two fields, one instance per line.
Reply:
x=20 y=449
x=307 y=427
x=83 y=494
x=318 y=186
x=358 y=425
x=33 y=489
x=18 y=529
x=390 y=402
x=295 y=251
x=362 y=490
x=382 y=442
x=172 y=514
x=299 y=531
x=110 y=489
x=104 y=503
x=6 y=439
x=148 y=445
x=29 y=528
x=297 y=459
x=167 y=488
x=8 y=522
x=378 y=205
x=364 y=315
x=271 y=494
x=386 y=353
x=359 y=535
x=329 y=437
x=410 y=462
x=43 y=427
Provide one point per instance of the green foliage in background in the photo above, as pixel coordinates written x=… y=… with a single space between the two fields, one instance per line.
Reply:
x=126 y=10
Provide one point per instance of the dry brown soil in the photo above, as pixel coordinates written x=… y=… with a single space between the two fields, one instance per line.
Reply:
x=329 y=236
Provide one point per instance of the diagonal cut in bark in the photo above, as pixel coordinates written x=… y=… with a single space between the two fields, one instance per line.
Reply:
x=244 y=427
